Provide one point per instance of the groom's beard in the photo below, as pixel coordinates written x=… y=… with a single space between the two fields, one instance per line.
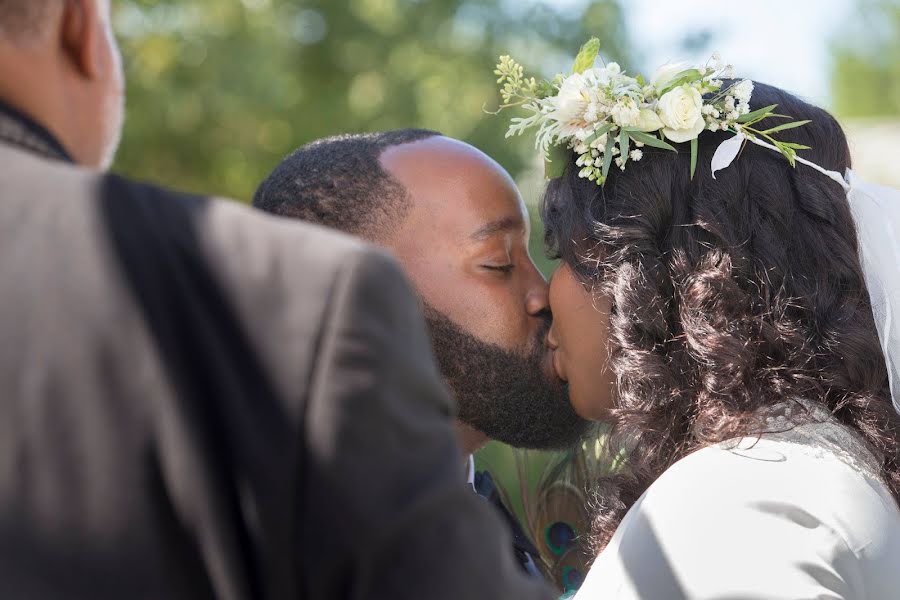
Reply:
x=506 y=395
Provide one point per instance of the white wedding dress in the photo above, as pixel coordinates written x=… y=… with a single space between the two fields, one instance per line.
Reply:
x=796 y=514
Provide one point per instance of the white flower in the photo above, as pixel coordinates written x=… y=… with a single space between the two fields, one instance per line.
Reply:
x=648 y=121
x=707 y=109
x=743 y=90
x=667 y=72
x=620 y=162
x=569 y=105
x=729 y=102
x=581 y=149
x=636 y=155
x=613 y=68
x=625 y=113
x=729 y=72
x=680 y=111
x=717 y=60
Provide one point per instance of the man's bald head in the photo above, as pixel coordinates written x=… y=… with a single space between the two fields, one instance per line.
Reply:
x=339 y=182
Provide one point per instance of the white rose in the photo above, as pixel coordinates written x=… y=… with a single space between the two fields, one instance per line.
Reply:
x=665 y=73
x=680 y=110
x=648 y=121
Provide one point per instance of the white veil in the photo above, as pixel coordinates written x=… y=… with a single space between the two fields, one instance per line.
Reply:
x=876 y=210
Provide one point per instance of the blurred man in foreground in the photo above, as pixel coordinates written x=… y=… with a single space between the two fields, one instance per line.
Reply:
x=163 y=437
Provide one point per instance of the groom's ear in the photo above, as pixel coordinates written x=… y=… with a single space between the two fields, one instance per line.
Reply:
x=82 y=36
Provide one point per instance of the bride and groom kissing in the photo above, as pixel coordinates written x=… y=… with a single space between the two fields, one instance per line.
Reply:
x=725 y=310
x=199 y=400
x=719 y=321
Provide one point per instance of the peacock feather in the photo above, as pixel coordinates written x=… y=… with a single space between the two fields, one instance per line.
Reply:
x=550 y=499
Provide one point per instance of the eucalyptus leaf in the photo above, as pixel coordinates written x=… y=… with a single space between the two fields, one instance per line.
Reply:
x=623 y=144
x=587 y=55
x=608 y=155
x=757 y=114
x=784 y=126
x=693 y=157
x=650 y=140
x=556 y=160
x=599 y=132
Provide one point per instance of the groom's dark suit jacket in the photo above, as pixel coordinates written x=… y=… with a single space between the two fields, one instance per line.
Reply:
x=199 y=401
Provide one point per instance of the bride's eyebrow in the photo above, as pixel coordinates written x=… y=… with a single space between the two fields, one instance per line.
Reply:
x=499 y=226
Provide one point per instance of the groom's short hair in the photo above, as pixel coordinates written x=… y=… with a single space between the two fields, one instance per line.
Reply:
x=339 y=182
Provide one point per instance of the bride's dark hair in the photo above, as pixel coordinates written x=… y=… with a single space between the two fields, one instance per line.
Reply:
x=728 y=296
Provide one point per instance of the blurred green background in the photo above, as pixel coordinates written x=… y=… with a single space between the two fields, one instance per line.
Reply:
x=220 y=90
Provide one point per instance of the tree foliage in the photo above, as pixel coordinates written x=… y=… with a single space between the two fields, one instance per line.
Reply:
x=866 y=62
x=221 y=90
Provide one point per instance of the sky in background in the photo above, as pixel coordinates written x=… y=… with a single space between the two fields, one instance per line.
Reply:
x=781 y=42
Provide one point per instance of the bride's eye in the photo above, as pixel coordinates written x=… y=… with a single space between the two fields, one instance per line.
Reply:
x=500 y=268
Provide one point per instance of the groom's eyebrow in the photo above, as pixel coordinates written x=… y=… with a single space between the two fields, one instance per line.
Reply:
x=498 y=226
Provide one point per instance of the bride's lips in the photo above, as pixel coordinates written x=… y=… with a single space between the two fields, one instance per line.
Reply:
x=557 y=367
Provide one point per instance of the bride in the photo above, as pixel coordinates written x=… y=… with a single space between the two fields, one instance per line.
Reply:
x=712 y=307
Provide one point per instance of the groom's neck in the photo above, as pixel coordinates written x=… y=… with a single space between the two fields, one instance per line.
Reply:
x=470 y=439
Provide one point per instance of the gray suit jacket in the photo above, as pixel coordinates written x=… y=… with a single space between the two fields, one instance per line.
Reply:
x=201 y=401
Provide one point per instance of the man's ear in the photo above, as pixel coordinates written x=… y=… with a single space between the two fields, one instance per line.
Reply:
x=81 y=31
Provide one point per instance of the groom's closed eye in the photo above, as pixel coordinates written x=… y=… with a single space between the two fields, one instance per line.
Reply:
x=505 y=269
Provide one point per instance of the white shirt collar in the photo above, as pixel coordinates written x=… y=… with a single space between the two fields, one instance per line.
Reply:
x=470 y=472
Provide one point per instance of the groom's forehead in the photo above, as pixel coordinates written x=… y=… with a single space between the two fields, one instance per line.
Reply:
x=458 y=188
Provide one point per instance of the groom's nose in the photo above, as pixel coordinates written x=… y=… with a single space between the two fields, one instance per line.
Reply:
x=537 y=296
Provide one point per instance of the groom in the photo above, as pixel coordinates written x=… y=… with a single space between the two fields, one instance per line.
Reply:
x=458 y=225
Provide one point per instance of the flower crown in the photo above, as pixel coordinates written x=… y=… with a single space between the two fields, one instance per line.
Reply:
x=605 y=116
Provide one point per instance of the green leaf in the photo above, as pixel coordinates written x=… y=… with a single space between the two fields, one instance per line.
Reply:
x=623 y=144
x=608 y=155
x=587 y=55
x=693 y=157
x=757 y=114
x=599 y=132
x=796 y=146
x=650 y=140
x=784 y=126
x=556 y=160
x=641 y=81
x=789 y=153
x=680 y=79
x=544 y=89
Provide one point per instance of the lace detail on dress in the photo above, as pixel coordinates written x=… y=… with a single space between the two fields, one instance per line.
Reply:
x=812 y=431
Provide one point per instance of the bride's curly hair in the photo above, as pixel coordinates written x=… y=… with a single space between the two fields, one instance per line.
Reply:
x=728 y=296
